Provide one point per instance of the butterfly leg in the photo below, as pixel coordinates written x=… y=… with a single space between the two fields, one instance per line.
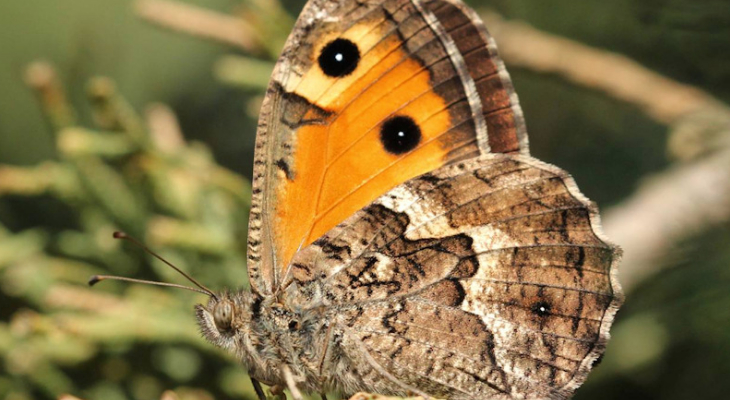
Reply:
x=259 y=390
x=291 y=383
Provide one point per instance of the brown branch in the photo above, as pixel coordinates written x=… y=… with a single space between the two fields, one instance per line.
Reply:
x=661 y=98
x=677 y=204
x=200 y=22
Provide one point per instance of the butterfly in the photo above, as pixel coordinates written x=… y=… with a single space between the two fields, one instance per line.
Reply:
x=401 y=238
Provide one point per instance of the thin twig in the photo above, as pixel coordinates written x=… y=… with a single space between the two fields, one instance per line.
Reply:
x=42 y=77
x=200 y=22
x=164 y=128
x=674 y=205
x=660 y=97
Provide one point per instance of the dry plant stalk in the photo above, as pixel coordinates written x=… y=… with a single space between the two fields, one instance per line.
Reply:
x=620 y=77
x=200 y=22
x=676 y=204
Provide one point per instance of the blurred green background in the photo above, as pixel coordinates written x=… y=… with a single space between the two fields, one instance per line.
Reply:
x=69 y=177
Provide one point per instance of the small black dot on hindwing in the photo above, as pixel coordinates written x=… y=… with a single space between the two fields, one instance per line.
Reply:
x=541 y=308
x=339 y=58
x=400 y=135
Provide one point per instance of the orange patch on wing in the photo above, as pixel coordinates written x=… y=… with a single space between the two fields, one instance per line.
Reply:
x=342 y=167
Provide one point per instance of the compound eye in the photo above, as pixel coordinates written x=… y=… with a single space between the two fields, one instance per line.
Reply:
x=223 y=315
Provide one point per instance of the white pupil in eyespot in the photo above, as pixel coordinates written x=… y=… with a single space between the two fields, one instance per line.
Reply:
x=401 y=134
x=542 y=309
x=339 y=57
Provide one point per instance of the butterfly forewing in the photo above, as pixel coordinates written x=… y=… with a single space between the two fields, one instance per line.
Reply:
x=366 y=96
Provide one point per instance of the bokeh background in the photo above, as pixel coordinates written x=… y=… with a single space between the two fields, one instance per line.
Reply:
x=140 y=116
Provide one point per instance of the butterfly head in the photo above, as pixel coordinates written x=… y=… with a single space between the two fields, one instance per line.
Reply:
x=225 y=318
x=233 y=322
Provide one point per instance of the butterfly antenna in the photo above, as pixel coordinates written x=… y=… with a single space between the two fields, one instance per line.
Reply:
x=121 y=235
x=98 y=278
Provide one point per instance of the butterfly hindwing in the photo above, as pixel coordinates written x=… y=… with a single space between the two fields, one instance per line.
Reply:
x=366 y=95
x=488 y=278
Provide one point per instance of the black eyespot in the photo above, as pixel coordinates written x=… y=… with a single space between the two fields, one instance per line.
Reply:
x=339 y=58
x=293 y=325
x=541 y=308
x=400 y=135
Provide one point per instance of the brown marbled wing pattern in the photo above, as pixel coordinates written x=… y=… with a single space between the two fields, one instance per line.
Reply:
x=445 y=37
x=487 y=279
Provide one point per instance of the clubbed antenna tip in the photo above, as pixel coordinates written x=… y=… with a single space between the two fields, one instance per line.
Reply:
x=121 y=235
